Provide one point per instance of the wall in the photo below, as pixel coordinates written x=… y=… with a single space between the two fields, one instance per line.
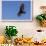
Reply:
x=26 y=28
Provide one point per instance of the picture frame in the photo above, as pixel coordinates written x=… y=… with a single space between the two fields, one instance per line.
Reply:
x=17 y=10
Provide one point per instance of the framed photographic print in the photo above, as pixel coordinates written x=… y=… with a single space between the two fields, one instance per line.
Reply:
x=17 y=10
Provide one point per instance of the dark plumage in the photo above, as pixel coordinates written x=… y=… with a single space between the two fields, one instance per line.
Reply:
x=21 y=11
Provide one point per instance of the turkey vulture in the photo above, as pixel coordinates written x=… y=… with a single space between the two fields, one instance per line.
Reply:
x=21 y=10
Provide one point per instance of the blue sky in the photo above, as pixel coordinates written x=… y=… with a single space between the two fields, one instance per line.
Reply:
x=15 y=0
x=11 y=8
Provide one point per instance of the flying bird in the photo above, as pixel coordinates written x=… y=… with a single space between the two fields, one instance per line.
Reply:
x=21 y=10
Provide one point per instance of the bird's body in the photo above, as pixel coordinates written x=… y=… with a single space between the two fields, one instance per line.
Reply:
x=21 y=11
